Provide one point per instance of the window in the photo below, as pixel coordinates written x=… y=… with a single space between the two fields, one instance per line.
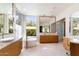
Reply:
x=31 y=26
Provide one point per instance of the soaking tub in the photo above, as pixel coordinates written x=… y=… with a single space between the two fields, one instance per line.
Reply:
x=31 y=41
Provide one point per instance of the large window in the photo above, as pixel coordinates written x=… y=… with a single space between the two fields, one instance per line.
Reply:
x=31 y=26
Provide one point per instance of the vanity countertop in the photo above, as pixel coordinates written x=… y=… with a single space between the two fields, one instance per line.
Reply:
x=74 y=41
x=4 y=44
x=48 y=33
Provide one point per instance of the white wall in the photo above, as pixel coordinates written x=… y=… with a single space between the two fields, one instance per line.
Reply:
x=65 y=14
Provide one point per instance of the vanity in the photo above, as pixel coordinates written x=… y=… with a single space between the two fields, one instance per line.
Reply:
x=11 y=48
x=10 y=31
x=47 y=27
x=48 y=38
x=74 y=47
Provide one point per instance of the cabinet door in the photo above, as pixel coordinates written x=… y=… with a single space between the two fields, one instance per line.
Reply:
x=74 y=49
x=48 y=39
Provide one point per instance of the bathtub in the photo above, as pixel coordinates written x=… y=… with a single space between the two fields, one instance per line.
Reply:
x=31 y=41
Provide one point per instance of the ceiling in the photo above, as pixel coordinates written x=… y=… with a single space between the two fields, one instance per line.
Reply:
x=6 y=8
x=47 y=9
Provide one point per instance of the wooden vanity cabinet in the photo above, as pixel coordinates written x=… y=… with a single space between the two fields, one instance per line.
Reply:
x=48 y=38
x=74 y=49
x=13 y=49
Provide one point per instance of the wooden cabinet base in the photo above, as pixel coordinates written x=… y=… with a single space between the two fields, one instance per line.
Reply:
x=48 y=39
x=13 y=49
x=74 y=49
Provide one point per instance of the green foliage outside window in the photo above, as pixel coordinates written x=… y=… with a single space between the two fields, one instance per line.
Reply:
x=30 y=23
x=31 y=32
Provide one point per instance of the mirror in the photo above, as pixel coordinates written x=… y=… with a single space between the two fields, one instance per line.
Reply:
x=10 y=18
x=46 y=28
x=47 y=24
x=6 y=22
x=1 y=23
x=6 y=19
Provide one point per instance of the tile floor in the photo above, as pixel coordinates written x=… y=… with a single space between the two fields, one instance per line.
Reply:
x=54 y=49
